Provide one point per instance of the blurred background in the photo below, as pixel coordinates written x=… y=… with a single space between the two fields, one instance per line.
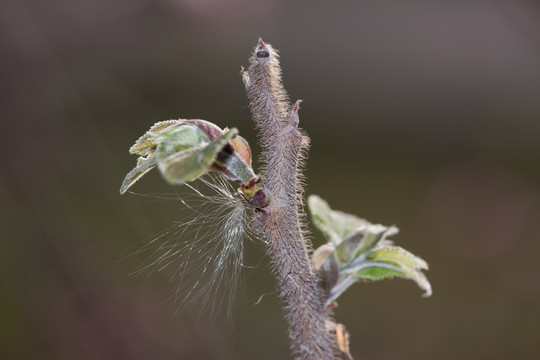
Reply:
x=423 y=114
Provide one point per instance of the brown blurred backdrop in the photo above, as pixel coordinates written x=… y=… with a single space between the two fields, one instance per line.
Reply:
x=424 y=114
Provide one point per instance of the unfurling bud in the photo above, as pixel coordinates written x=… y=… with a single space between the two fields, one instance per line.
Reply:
x=183 y=150
x=361 y=252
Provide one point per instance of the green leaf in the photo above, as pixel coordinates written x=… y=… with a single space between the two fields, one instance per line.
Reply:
x=396 y=255
x=375 y=235
x=146 y=144
x=144 y=165
x=348 y=247
x=363 y=239
x=335 y=225
x=374 y=273
x=190 y=162
x=388 y=261
x=165 y=139
x=179 y=138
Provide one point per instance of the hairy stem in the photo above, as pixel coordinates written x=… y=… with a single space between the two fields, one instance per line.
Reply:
x=278 y=222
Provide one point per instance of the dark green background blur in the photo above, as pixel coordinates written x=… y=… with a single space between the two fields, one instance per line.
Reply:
x=424 y=114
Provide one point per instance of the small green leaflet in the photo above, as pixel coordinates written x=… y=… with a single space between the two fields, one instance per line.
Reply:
x=393 y=261
x=187 y=164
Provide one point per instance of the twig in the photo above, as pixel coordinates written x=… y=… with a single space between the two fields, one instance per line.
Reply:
x=278 y=222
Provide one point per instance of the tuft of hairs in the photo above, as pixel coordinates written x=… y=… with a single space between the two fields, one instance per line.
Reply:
x=202 y=254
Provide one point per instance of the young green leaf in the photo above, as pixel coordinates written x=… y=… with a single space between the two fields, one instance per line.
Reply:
x=191 y=162
x=374 y=273
x=335 y=225
x=393 y=261
x=144 y=165
x=146 y=144
x=363 y=239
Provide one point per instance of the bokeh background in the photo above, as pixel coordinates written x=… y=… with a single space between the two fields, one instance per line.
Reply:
x=424 y=114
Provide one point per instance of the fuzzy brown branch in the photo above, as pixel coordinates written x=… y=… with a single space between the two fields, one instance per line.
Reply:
x=283 y=143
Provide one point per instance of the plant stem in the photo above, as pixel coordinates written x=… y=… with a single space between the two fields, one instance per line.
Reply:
x=282 y=142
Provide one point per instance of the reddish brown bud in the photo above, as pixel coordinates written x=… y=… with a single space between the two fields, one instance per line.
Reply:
x=260 y=199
